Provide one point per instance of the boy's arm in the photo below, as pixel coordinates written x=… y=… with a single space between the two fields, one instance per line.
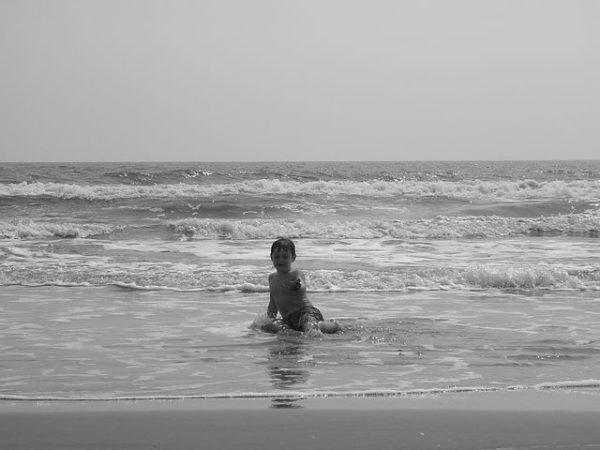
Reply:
x=271 y=309
x=299 y=282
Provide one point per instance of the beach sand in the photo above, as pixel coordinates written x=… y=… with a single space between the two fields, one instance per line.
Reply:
x=493 y=420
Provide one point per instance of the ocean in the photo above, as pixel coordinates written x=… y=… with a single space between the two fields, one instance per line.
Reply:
x=143 y=280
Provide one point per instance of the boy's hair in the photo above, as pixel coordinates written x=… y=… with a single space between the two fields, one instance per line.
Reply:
x=284 y=244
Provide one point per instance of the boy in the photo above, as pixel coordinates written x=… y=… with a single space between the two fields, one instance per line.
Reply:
x=287 y=287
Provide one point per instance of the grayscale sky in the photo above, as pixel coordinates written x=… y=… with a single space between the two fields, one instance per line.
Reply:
x=217 y=80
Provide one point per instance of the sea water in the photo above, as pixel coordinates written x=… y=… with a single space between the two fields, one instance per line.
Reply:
x=142 y=280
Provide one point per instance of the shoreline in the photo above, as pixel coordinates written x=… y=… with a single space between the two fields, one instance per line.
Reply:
x=537 y=419
x=569 y=399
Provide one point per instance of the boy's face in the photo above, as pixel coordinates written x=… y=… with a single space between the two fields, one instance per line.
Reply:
x=282 y=260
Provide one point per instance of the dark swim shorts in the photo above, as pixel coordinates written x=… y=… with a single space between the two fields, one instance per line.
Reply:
x=300 y=319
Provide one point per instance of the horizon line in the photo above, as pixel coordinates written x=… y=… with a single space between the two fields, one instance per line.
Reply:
x=241 y=161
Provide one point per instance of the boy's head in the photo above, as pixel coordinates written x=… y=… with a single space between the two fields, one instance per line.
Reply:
x=284 y=244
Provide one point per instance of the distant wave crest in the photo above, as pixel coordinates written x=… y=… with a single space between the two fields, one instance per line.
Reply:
x=584 y=224
x=441 y=227
x=31 y=229
x=468 y=190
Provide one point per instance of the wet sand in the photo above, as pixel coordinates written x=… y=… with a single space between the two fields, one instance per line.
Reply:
x=494 y=420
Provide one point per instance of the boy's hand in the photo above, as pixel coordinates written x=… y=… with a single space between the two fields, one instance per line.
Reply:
x=295 y=284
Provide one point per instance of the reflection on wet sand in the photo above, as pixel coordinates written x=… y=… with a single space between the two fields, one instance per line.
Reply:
x=286 y=372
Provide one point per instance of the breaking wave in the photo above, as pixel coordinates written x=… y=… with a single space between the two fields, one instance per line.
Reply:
x=588 y=190
x=441 y=227
x=30 y=229
x=585 y=224
x=24 y=271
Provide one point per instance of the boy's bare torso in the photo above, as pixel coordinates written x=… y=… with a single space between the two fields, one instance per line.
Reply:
x=288 y=295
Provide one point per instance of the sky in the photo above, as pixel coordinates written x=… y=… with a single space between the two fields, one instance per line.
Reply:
x=294 y=80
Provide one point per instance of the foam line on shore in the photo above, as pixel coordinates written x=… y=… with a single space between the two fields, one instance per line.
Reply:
x=590 y=385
